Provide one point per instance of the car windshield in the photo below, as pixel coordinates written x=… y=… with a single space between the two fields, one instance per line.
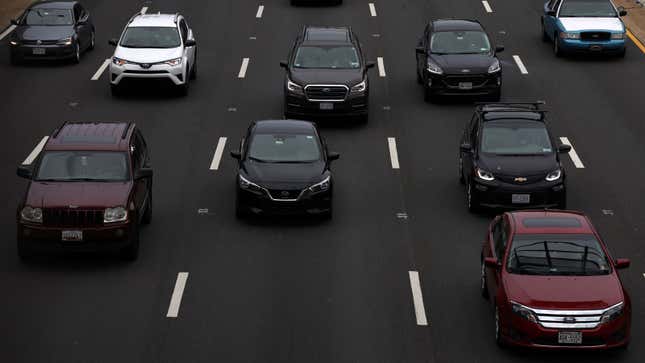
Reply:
x=459 y=42
x=49 y=17
x=512 y=138
x=566 y=254
x=151 y=37
x=83 y=166
x=284 y=148
x=344 y=57
x=587 y=8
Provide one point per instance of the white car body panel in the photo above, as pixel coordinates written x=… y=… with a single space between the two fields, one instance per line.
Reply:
x=582 y=24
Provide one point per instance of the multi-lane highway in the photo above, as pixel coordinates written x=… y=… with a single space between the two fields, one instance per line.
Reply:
x=393 y=277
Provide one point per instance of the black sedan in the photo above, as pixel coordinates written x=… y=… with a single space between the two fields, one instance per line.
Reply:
x=283 y=169
x=455 y=57
x=507 y=159
x=52 y=30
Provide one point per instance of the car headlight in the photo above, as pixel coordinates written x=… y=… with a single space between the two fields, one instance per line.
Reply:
x=569 y=35
x=554 y=175
x=360 y=87
x=321 y=186
x=617 y=36
x=434 y=68
x=65 y=41
x=30 y=214
x=495 y=67
x=173 y=62
x=294 y=87
x=613 y=313
x=116 y=214
x=119 y=61
x=523 y=311
x=249 y=185
x=484 y=175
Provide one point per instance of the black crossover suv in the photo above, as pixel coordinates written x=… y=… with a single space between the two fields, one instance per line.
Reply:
x=508 y=159
x=326 y=75
x=283 y=169
x=456 y=57
x=52 y=30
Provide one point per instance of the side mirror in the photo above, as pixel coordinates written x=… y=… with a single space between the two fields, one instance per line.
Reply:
x=190 y=43
x=113 y=42
x=550 y=13
x=421 y=50
x=564 y=148
x=499 y=49
x=369 y=65
x=83 y=19
x=24 y=171
x=14 y=22
x=621 y=263
x=333 y=156
x=622 y=11
x=235 y=154
x=466 y=147
x=143 y=173
x=491 y=262
x=283 y=64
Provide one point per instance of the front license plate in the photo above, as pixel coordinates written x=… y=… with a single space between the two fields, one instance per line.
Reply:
x=73 y=236
x=570 y=337
x=326 y=106
x=521 y=198
x=465 y=85
x=38 y=51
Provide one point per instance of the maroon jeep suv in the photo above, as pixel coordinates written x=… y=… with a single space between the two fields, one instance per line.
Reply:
x=89 y=190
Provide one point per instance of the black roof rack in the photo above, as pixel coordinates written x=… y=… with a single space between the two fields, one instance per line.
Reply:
x=510 y=106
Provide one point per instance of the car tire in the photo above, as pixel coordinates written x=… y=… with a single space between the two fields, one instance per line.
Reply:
x=364 y=118
x=115 y=89
x=14 y=59
x=131 y=251
x=92 y=40
x=562 y=204
x=498 y=330
x=462 y=180
x=545 y=36
x=622 y=53
x=147 y=215
x=183 y=89
x=77 y=54
x=427 y=95
x=496 y=96
x=419 y=78
x=24 y=252
x=472 y=202
x=556 y=46
x=294 y=2
x=193 y=70
x=483 y=285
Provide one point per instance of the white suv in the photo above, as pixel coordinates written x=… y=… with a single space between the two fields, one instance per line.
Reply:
x=159 y=46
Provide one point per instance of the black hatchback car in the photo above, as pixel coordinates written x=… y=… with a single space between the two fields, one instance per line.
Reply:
x=283 y=169
x=508 y=159
x=52 y=30
x=326 y=75
x=456 y=57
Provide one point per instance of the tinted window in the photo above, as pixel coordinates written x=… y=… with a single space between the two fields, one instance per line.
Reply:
x=151 y=37
x=83 y=165
x=567 y=254
x=327 y=57
x=515 y=139
x=589 y=8
x=284 y=148
x=459 y=42
x=49 y=17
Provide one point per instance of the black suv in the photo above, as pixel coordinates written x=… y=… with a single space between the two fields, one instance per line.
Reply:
x=456 y=57
x=326 y=75
x=508 y=158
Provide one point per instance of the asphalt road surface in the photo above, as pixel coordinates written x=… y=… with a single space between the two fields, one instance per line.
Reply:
x=299 y=290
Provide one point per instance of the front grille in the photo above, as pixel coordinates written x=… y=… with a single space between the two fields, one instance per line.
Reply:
x=145 y=72
x=42 y=42
x=569 y=319
x=282 y=194
x=326 y=93
x=595 y=36
x=529 y=179
x=63 y=217
x=476 y=80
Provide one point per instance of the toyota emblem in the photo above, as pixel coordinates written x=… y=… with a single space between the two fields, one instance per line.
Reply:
x=145 y=65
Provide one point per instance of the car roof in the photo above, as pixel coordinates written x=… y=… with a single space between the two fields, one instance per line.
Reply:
x=455 y=24
x=161 y=20
x=512 y=110
x=106 y=136
x=318 y=34
x=53 y=5
x=284 y=126
x=551 y=222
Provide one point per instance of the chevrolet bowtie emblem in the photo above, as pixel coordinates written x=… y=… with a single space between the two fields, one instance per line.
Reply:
x=520 y=179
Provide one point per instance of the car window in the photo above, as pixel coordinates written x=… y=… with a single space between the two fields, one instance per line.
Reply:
x=512 y=138
x=49 y=17
x=284 y=148
x=459 y=42
x=150 y=37
x=184 y=30
x=587 y=8
x=342 y=57
x=83 y=166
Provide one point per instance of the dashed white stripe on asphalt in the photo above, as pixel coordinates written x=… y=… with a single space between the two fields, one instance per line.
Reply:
x=34 y=153
x=219 y=150
x=245 y=65
x=394 y=155
x=417 y=298
x=520 y=64
x=260 y=11
x=178 y=292
x=573 y=154
x=372 y=9
x=487 y=6
x=381 y=66
x=101 y=69
x=144 y=10
x=7 y=31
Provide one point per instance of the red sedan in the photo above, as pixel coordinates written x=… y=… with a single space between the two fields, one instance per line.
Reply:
x=553 y=283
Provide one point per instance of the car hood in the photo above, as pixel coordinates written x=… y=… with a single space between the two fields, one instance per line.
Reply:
x=348 y=77
x=284 y=176
x=42 y=32
x=564 y=292
x=78 y=194
x=581 y=24
x=148 y=55
x=457 y=63
x=518 y=165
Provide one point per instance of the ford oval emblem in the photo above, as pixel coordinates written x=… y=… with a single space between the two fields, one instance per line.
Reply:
x=569 y=319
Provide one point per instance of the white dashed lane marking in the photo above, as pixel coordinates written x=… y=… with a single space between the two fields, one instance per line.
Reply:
x=260 y=11
x=573 y=154
x=487 y=6
x=417 y=298
x=381 y=66
x=394 y=155
x=177 y=294
x=34 y=153
x=101 y=69
x=520 y=64
x=245 y=65
x=372 y=9
x=7 y=31
x=219 y=150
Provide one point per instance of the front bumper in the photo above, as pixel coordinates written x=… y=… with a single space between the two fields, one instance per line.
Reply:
x=458 y=84
x=306 y=204
x=298 y=106
x=41 y=239
x=585 y=46
x=175 y=74
x=499 y=194
x=51 y=52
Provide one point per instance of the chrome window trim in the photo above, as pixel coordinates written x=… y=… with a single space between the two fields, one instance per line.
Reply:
x=326 y=85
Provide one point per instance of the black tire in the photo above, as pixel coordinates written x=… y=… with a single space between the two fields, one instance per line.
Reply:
x=472 y=202
x=622 y=53
x=498 y=333
x=483 y=286
x=496 y=96
x=115 y=90
x=462 y=180
x=76 y=59
x=240 y=210
x=545 y=37
x=364 y=118
x=24 y=252
x=427 y=95
x=183 y=89
x=294 y=2
x=92 y=41
x=147 y=215
x=14 y=59
x=131 y=252
x=193 y=71
x=556 y=46
x=562 y=204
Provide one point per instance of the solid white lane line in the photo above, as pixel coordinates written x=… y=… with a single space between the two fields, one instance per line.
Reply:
x=34 y=153
x=573 y=154
x=520 y=64
x=219 y=150
x=101 y=69
x=245 y=64
x=487 y=6
x=372 y=9
x=7 y=31
x=417 y=298
x=144 y=10
x=175 y=300
x=381 y=66
x=394 y=155
x=260 y=11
